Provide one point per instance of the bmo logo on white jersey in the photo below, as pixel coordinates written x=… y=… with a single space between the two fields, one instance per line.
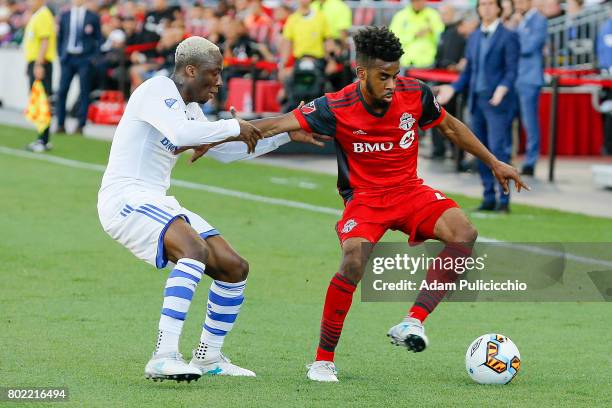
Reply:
x=168 y=145
x=364 y=147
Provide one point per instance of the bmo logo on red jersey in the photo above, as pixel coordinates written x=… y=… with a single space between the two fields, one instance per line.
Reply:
x=364 y=147
x=406 y=123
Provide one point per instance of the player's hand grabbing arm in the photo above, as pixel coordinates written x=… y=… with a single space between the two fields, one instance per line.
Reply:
x=463 y=137
x=249 y=134
x=228 y=152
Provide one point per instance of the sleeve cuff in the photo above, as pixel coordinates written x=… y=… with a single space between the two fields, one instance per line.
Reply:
x=302 y=120
x=282 y=139
x=233 y=127
x=437 y=121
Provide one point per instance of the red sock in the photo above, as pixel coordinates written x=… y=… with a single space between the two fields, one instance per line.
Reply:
x=427 y=300
x=337 y=304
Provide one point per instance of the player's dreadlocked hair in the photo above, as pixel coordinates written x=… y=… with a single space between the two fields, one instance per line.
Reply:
x=377 y=43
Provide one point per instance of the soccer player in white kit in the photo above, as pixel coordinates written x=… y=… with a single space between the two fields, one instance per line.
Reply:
x=162 y=118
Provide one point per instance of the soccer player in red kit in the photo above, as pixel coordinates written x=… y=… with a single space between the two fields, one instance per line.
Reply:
x=374 y=124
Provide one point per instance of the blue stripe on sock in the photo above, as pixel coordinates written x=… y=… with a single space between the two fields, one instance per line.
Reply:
x=150 y=216
x=216 y=332
x=153 y=212
x=192 y=266
x=167 y=214
x=125 y=215
x=220 y=317
x=230 y=287
x=128 y=207
x=223 y=301
x=180 y=274
x=179 y=292
x=174 y=314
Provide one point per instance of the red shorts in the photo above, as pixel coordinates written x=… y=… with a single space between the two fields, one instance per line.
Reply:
x=413 y=210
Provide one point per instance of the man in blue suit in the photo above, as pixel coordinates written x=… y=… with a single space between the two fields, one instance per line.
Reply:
x=79 y=41
x=492 y=55
x=532 y=37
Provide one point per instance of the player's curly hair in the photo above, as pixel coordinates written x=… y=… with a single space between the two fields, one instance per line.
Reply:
x=377 y=43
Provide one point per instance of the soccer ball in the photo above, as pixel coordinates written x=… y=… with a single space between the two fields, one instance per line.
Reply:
x=492 y=359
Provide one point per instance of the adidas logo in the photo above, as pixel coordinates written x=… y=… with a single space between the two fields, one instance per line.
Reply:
x=359 y=132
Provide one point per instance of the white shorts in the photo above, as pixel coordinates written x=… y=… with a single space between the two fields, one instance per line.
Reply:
x=139 y=221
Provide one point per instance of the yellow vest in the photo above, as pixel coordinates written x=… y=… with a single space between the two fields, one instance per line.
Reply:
x=307 y=33
x=338 y=14
x=40 y=26
x=418 y=52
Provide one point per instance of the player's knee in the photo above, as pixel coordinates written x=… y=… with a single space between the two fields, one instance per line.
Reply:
x=197 y=250
x=466 y=234
x=352 y=265
x=237 y=269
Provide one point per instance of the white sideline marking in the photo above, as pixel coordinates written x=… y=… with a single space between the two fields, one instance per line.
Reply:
x=283 y=203
x=181 y=183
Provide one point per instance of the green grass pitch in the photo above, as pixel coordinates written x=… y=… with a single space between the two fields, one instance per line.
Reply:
x=78 y=310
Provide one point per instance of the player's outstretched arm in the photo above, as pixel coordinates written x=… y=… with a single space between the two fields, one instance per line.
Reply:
x=463 y=137
x=158 y=105
x=274 y=137
x=277 y=124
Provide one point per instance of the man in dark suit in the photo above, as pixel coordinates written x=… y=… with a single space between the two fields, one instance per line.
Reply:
x=79 y=43
x=492 y=55
x=532 y=31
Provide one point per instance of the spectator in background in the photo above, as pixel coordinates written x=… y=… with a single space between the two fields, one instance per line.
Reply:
x=604 y=60
x=111 y=51
x=338 y=15
x=40 y=47
x=532 y=31
x=418 y=28
x=6 y=31
x=338 y=69
x=604 y=47
x=451 y=49
x=579 y=41
x=306 y=41
x=305 y=33
x=158 y=61
x=196 y=22
x=156 y=19
x=18 y=18
x=507 y=14
x=492 y=57
x=280 y=16
x=258 y=23
x=79 y=44
x=451 y=46
x=551 y=9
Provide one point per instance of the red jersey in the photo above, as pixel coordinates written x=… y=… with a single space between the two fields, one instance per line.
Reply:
x=375 y=152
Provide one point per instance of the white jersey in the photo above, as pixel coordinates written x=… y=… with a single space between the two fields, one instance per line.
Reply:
x=155 y=123
x=132 y=204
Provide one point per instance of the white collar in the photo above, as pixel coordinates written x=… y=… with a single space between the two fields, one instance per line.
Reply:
x=491 y=28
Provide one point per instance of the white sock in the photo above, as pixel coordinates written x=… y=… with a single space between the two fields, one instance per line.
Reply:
x=180 y=287
x=224 y=301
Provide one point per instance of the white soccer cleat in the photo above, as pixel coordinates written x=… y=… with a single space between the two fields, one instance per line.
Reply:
x=39 y=147
x=170 y=366
x=322 y=371
x=220 y=366
x=410 y=333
